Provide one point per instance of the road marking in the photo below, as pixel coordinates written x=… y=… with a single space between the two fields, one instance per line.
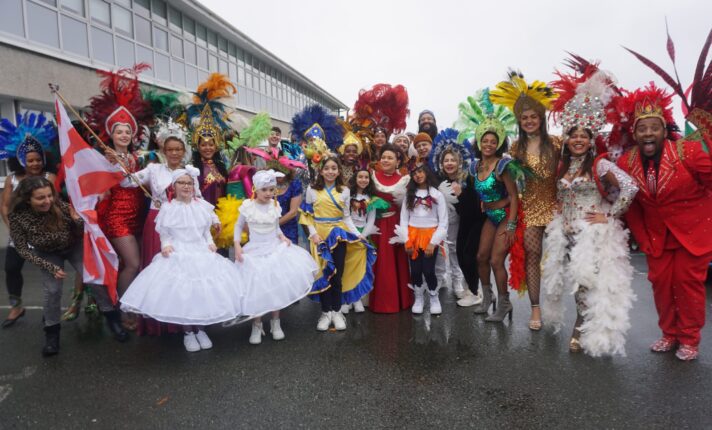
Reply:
x=5 y=391
x=25 y=373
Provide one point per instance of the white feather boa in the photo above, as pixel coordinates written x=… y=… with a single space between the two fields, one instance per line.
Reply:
x=599 y=261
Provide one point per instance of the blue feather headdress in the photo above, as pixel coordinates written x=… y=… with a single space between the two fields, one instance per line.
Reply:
x=320 y=130
x=33 y=133
x=448 y=140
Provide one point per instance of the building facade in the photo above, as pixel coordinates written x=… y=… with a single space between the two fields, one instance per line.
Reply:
x=65 y=41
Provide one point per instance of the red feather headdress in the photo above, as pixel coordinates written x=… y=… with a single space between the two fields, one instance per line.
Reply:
x=383 y=106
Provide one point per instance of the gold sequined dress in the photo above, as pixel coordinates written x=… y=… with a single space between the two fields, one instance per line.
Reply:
x=539 y=198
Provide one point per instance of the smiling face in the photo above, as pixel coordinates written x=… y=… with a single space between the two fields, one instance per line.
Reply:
x=184 y=188
x=207 y=148
x=420 y=178
x=362 y=180
x=274 y=138
x=174 y=150
x=121 y=136
x=579 y=142
x=426 y=122
x=379 y=139
x=450 y=164
x=402 y=143
x=488 y=145
x=264 y=195
x=423 y=148
x=650 y=133
x=41 y=199
x=530 y=121
x=389 y=162
x=350 y=154
x=34 y=164
x=330 y=171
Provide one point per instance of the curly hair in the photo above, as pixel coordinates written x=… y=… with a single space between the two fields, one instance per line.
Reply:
x=22 y=195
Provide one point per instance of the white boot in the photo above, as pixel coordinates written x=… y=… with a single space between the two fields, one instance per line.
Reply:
x=469 y=299
x=458 y=288
x=339 y=321
x=419 y=303
x=435 y=308
x=276 y=330
x=324 y=321
x=203 y=340
x=358 y=307
x=190 y=342
x=257 y=333
x=345 y=309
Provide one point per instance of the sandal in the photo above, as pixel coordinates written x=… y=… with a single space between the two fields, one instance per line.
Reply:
x=535 y=325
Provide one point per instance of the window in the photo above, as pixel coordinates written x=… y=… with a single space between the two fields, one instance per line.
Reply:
x=223 y=67
x=213 y=63
x=11 y=18
x=178 y=73
x=189 y=50
x=143 y=30
x=50 y=2
x=76 y=6
x=189 y=28
x=212 y=41
x=74 y=36
x=124 y=53
x=176 y=46
x=163 y=67
x=232 y=69
x=232 y=51
x=145 y=55
x=102 y=45
x=159 y=11
x=160 y=39
x=123 y=20
x=222 y=45
x=42 y=25
x=100 y=12
x=142 y=7
x=202 y=34
x=191 y=77
x=175 y=21
x=202 y=58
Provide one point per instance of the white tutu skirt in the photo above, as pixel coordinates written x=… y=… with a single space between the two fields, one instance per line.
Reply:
x=192 y=286
x=274 y=275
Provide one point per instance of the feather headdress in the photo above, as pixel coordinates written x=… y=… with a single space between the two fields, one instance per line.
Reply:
x=384 y=106
x=208 y=115
x=478 y=115
x=33 y=133
x=320 y=130
x=517 y=95
x=445 y=141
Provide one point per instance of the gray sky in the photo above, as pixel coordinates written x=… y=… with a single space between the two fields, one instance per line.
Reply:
x=444 y=50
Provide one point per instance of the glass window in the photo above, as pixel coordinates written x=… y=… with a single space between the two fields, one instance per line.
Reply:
x=240 y=54
x=124 y=53
x=175 y=22
x=100 y=12
x=189 y=50
x=232 y=51
x=189 y=28
x=202 y=58
x=222 y=45
x=50 y=2
x=42 y=25
x=76 y=6
x=142 y=7
x=232 y=69
x=176 y=46
x=74 y=36
x=213 y=63
x=163 y=67
x=11 y=18
x=160 y=39
x=160 y=12
x=145 y=55
x=143 y=30
x=102 y=45
x=191 y=77
x=202 y=76
x=178 y=73
x=223 y=67
x=123 y=20
x=202 y=34
x=212 y=41
x=241 y=75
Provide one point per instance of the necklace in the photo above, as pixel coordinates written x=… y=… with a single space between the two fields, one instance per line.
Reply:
x=575 y=165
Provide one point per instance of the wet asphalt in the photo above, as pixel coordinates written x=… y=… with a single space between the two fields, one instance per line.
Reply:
x=384 y=371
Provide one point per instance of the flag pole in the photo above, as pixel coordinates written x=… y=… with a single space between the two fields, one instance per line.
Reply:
x=54 y=88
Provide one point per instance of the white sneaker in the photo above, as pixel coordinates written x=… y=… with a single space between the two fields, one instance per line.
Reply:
x=339 y=321
x=257 y=333
x=203 y=340
x=435 y=308
x=469 y=299
x=358 y=307
x=459 y=289
x=324 y=321
x=190 y=342
x=345 y=309
x=276 y=330
x=417 y=308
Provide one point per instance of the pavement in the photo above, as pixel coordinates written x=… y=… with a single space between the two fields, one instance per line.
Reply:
x=386 y=371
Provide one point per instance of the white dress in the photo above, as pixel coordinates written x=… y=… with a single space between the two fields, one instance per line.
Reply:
x=193 y=285
x=272 y=274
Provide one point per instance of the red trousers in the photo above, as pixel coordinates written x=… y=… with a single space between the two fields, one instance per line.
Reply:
x=678 y=279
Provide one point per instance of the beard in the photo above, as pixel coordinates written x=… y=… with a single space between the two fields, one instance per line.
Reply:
x=431 y=129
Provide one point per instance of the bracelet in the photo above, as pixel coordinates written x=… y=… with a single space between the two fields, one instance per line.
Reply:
x=511 y=225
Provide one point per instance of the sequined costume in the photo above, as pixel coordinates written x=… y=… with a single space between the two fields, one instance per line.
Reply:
x=591 y=260
x=121 y=213
x=491 y=190
x=291 y=228
x=212 y=182
x=539 y=198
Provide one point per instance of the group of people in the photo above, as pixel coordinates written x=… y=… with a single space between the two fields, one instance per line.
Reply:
x=388 y=218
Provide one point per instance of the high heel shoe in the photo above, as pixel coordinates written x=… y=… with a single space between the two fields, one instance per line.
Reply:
x=505 y=310
x=487 y=301
x=9 y=322
x=535 y=325
x=575 y=346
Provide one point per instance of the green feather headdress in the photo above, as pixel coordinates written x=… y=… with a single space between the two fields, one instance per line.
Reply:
x=478 y=115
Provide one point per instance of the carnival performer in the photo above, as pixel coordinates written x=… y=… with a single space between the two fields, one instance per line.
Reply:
x=24 y=145
x=350 y=153
x=344 y=257
x=423 y=228
x=364 y=208
x=47 y=232
x=586 y=246
x=427 y=123
x=536 y=150
x=450 y=162
x=118 y=115
x=272 y=271
x=402 y=142
x=188 y=283
x=390 y=290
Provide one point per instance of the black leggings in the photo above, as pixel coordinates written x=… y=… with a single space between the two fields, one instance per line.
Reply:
x=424 y=267
x=468 y=242
x=13 y=275
x=331 y=298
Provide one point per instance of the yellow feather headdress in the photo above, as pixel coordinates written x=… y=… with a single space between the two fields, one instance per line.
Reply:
x=517 y=95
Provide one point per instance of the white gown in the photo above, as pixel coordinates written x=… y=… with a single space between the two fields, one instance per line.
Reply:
x=192 y=286
x=273 y=274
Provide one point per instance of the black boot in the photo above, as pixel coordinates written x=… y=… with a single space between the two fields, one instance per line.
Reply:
x=113 y=321
x=51 y=340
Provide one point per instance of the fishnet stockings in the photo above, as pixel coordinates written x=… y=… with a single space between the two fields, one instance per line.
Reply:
x=533 y=237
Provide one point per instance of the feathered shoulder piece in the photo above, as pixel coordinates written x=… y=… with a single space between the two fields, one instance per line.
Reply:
x=698 y=107
x=120 y=102
x=517 y=95
x=383 y=106
x=208 y=115
x=478 y=115
x=256 y=132
x=33 y=133
x=447 y=141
